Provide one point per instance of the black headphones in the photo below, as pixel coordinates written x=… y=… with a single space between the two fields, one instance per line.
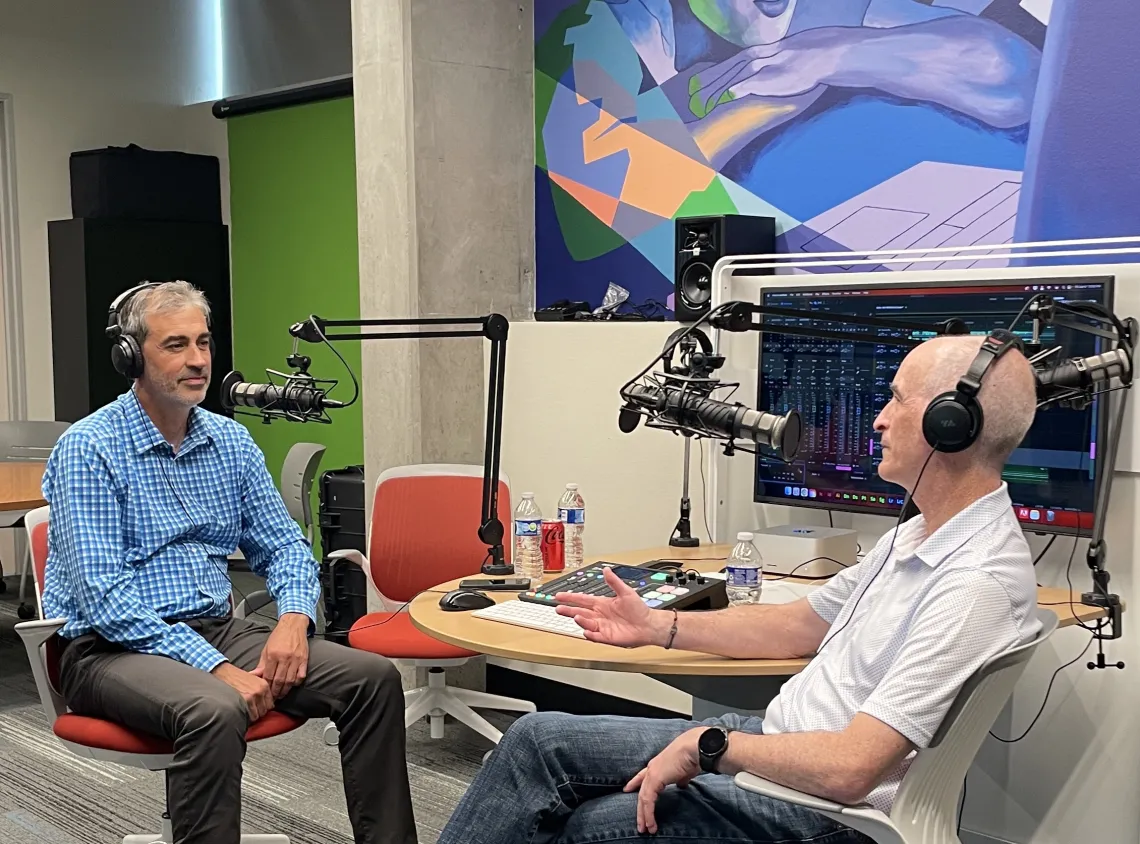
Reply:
x=953 y=420
x=126 y=355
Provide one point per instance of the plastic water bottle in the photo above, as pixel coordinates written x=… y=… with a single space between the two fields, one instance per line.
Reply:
x=527 y=558
x=572 y=514
x=744 y=571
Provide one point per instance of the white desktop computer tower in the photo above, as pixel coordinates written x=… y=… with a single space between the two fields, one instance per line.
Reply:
x=806 y=550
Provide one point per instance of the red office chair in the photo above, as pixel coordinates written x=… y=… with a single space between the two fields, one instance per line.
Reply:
x=423 y=533
x=94 y=738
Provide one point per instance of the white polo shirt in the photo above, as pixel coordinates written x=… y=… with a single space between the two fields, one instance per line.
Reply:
x=934 y=611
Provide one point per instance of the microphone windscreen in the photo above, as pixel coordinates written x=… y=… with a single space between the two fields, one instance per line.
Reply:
x=628 y=419
x=226 y=389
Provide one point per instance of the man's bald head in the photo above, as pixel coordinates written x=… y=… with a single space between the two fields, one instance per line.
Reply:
x=1008 y=396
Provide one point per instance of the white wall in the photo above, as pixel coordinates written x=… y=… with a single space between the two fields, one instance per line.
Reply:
x=85 y=75
x=1073 y=777
x=559 y=430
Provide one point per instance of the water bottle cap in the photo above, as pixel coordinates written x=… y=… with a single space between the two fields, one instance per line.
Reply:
x=571 y=486
x=744 y=536
x=528 y=495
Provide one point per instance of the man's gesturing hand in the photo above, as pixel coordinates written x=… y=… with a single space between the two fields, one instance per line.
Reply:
x=285 y=657
x=678 y=763
x=253 y=690
x=622 y=620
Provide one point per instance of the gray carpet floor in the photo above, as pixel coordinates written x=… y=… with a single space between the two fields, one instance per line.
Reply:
x=291 y=785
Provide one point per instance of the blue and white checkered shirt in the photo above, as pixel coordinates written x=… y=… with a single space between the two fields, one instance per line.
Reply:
x=139 y=535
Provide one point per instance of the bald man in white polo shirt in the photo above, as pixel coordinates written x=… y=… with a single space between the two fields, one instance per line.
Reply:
x=895 y=638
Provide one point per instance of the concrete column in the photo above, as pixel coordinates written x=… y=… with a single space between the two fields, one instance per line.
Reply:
x=386 y=211
x=444 y=101
x=473 y=106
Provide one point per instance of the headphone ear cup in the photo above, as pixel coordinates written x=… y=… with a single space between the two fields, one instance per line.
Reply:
x=952 y=422
x=126 y=357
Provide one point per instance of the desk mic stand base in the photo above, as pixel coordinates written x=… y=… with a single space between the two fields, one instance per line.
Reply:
x=682 y=534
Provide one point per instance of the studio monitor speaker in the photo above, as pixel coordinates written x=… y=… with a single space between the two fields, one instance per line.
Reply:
x=702 y=241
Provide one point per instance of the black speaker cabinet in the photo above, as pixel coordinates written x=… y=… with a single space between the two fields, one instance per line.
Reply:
x=700 y=243
x=93 y=260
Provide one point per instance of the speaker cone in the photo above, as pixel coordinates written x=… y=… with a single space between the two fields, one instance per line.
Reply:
x=696 y=284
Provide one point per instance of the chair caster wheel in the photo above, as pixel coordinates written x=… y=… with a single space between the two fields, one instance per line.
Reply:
x=25 y=612
x=3 y=585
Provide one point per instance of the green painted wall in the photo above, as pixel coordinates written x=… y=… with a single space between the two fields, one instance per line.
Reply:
x=294 y=253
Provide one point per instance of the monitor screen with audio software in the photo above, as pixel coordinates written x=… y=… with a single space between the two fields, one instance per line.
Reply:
x=840 y=386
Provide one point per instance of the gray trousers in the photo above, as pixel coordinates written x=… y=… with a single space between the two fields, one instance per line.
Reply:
x=207 y=719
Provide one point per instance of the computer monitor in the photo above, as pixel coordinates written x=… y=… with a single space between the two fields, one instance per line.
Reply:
x=840 y=386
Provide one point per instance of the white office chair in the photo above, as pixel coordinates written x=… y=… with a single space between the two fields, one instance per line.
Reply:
x=297 y=475
x=925 y=808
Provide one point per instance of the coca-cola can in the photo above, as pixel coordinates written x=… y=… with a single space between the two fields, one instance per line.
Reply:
x=553 y=545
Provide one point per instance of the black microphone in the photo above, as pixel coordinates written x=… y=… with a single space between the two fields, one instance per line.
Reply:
x=780 y=433
x=298 y=397
x=1092 y=373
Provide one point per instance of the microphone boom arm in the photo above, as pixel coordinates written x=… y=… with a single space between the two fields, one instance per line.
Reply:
x=493 y=327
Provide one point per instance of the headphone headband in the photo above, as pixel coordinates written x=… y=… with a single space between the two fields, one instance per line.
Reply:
x=953 y=420
x=997 y=343
x=121 y=300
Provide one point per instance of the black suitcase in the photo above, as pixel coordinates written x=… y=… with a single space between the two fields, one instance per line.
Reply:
x=132 y=183
x=341 y=521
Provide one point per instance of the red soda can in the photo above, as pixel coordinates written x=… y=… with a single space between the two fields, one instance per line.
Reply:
x=553 y=545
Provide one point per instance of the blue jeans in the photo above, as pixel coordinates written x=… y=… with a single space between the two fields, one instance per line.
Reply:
x=559 y=778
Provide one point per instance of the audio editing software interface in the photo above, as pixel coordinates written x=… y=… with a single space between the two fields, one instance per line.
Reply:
x=839 y=387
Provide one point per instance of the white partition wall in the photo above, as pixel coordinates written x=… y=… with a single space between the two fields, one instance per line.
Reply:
x=1073 y=778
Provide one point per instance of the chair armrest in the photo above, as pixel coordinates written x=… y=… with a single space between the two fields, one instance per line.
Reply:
x=35 y=633
x=35 y=636
x=252 y=602
x=349 y=554
x=759 y=785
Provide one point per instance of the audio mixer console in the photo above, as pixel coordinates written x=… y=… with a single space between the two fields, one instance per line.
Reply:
x=658 y=589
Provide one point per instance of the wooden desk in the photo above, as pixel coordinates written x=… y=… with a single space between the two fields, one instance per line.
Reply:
x=20 y=486
x=512 y=642
x=19 y=493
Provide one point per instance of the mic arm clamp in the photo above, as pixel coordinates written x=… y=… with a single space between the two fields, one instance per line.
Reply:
x=493 y=327
x=1100 y=596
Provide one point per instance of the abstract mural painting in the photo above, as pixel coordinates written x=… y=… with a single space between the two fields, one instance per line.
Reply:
x=857 y=124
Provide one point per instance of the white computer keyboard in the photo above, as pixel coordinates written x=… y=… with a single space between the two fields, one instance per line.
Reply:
x=534 y=616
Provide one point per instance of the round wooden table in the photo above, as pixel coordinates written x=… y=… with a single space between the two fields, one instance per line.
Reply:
x=495 y=638
x=716 y=683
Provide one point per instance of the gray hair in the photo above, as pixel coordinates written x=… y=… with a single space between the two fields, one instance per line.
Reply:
x=165 y=298
x=1008 y=396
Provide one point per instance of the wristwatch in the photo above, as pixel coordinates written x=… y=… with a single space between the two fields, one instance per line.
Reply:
x=710 y=747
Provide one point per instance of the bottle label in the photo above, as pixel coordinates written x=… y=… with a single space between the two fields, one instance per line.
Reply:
x=745 y=576
x=572 y=515
x=528 y=527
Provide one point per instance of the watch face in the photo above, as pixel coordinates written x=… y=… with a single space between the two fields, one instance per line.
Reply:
x=712 y=741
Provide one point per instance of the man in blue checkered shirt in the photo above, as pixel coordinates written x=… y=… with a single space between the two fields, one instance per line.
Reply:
x=149 y=495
